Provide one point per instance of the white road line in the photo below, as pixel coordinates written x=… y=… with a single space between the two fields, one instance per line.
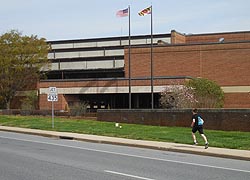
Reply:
x=128 y=175
x=130 y=155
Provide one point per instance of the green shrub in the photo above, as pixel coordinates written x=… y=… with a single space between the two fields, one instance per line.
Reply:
x=78 y=109
x=207 y=93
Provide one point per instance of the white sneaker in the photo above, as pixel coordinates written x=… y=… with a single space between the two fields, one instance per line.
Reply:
x=206 y=145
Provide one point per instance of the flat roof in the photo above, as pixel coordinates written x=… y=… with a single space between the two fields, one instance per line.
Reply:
x=108 y=38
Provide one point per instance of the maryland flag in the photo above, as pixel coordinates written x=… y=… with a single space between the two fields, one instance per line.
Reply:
x=145 y=11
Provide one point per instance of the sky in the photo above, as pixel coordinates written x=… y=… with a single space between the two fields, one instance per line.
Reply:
x=85 y=19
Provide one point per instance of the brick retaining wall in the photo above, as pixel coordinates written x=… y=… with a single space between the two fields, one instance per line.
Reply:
x=216 y=119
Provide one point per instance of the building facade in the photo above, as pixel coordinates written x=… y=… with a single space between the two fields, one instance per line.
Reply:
x=96 y=71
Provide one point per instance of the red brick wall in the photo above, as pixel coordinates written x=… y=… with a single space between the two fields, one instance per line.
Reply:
x=237 y=100
x=63 y=84
x=228 y=64
x=113 y=83
x=228 y=37
x=216 y=119
x=177 y=38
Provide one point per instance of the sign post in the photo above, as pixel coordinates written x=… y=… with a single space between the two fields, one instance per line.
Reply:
x=52 y=96
x=52 y=115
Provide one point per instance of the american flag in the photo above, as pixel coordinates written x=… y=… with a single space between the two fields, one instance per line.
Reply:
x=122 y=13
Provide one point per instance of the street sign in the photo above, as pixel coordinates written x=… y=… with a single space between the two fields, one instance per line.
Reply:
x=52 y=90
x=52 y=97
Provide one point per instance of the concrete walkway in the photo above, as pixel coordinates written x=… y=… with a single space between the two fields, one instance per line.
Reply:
x=211 y=151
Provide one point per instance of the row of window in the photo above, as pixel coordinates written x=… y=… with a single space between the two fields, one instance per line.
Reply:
x=84 y=54
x=92 y=54
x=107 y=43
x=85 y=65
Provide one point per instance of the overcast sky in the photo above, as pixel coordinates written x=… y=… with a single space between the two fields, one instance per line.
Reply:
x=83 y=19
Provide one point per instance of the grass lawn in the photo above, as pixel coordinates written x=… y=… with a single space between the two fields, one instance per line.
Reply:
x=225 y=139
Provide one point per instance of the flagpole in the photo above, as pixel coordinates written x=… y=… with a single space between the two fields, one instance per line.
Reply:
x=151 y=61
x=129 y=57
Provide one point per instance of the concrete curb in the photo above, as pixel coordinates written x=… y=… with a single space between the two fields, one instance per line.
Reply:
x=174 y=147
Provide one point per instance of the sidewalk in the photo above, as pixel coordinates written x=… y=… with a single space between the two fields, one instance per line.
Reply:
x=211 y=151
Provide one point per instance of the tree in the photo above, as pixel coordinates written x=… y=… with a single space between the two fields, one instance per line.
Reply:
x=177 y=96
x=21 y=58
x=207 y=93
x=198 y=92
x=30 y=101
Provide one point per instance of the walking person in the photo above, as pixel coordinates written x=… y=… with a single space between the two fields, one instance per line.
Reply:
x=197 y=125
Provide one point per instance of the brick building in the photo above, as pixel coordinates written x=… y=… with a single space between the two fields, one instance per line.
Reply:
x=97 y=70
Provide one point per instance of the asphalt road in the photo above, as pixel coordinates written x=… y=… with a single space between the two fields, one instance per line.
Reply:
x=27 y=157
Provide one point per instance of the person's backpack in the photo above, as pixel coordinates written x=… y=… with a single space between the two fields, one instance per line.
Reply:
x=200 y=121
